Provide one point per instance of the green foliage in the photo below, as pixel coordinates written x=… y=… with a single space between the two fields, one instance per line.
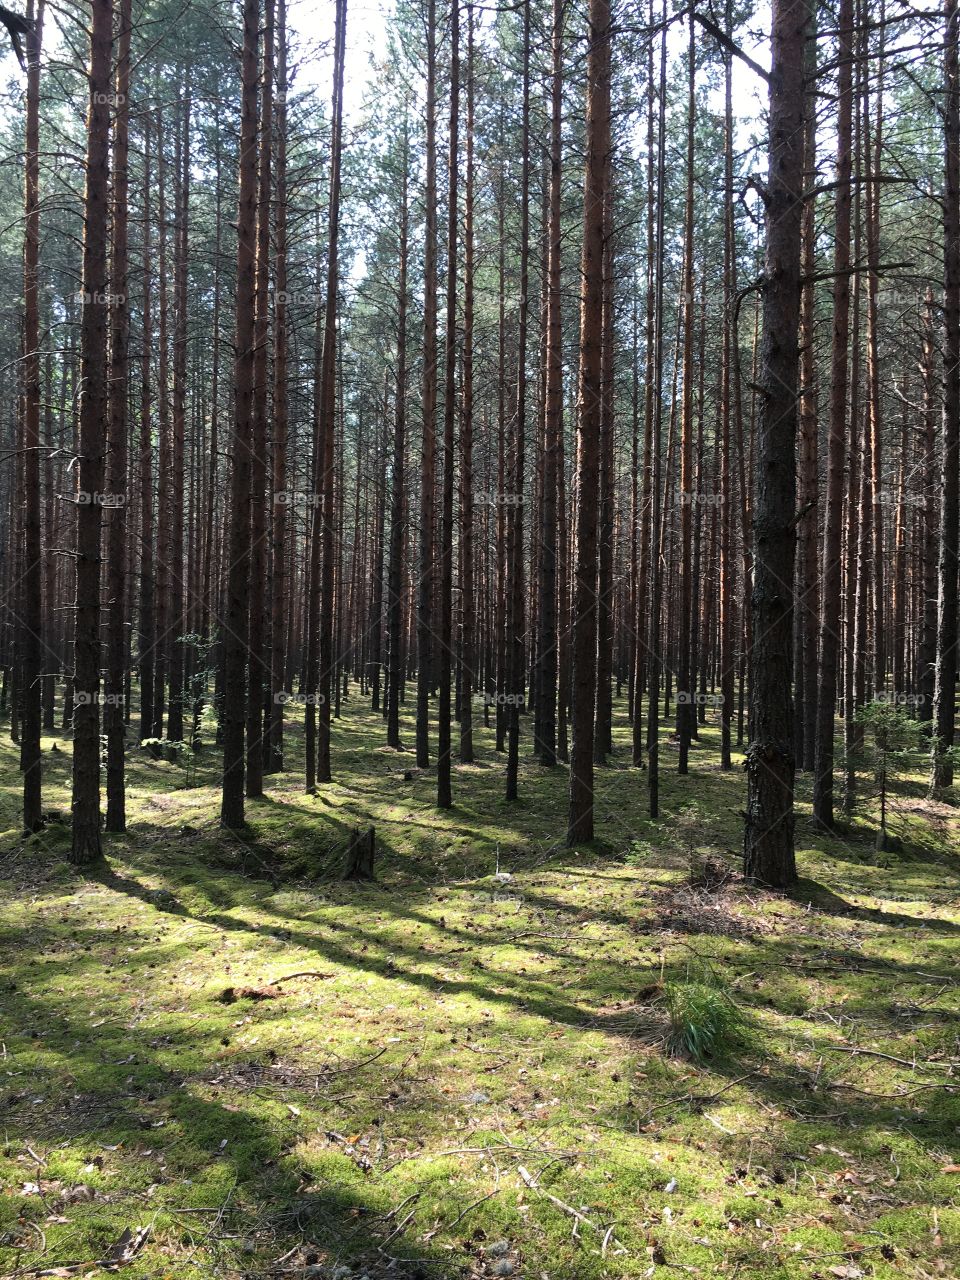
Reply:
x=705 y=1022
x=896 y=740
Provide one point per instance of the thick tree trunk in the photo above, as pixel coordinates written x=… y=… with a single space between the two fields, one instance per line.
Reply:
x=328 y=413
x=428 y=453
x=945 y=689
x=768 y=836
x=515 y=578
x=445 y=655
x=807 y=581
x=259 y=662
x=469 y=680
x=178 y=622
x=114 y=716
x=395 y=567
x=238 y=549
x=730 y=338
x=146 y=635
x=31 y=580
x=580 y=825
x=281 y=340
x=686 y=710
x=830 y=603
x=553 y=421
x=85 y=844
x=928 y=536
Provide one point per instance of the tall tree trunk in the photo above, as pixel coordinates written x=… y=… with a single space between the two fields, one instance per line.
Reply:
x=428 y=452
x=85 y=845
x=278 y=510
x=928 y=541
x=164 y=520
x=596 y=180
x=395 y=567
x=807 y=614
x=515 y=577
x=944 y=698
x=553 y=419
x=114 y=715
x=328 y=411
x=768 y=837
x=31 y=582
x=238 y=550
x=469 y=680
x=444 y=794
x=655 y=425
x=256 y=635
x=642 y=615
x=146 y=636
x=603 y=712
x=178 y=622
x=686 y=708
x=830 y=603
x=730 y=339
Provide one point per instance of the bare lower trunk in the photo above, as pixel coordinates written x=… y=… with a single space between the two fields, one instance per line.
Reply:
x=85 y=845
x=768 y=836
x=596 y=179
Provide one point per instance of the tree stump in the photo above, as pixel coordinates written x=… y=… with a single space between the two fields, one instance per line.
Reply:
x=360 y=853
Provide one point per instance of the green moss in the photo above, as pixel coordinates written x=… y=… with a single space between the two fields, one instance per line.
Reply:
x=455 y=1028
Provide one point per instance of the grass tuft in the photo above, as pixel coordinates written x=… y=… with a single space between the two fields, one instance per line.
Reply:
x=704 y=1020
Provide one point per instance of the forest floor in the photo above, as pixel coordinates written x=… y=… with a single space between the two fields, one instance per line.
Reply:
x=458 y=1075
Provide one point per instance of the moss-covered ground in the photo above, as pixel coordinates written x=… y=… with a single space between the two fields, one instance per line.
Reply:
x=450 y=1074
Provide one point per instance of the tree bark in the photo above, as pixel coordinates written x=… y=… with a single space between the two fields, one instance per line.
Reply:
x=428 y=452
x=553 y=419
x=768 y=837
x=259 y=662
x=830 y=603
x=115 y=680
x=515 y=576
x=580 y=825
x=31 y=582
x=444 y=794
x=238 y=549
x=944 y=697
x=85 y=844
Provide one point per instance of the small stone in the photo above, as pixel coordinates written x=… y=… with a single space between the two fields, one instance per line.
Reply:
x=503 y=1267
x=498 y=1248
x=478 y=1097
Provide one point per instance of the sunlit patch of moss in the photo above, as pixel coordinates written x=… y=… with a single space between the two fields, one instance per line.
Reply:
x=451 y=1027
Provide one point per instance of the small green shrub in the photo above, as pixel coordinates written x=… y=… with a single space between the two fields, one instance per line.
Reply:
x=704 y=1020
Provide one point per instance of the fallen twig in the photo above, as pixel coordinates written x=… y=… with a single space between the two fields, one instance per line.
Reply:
x=889 y=1057
x=304 y=973
x=470 y=1207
